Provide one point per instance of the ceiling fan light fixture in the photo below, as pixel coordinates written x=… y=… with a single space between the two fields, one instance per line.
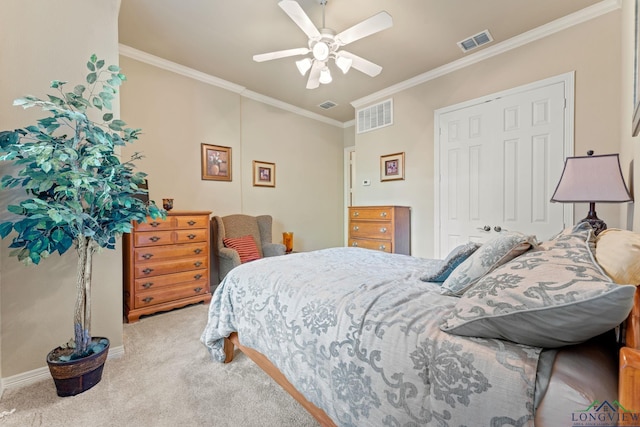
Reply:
x=320 y=51
x=304 y=65
x=344 y=63
x=325 y=76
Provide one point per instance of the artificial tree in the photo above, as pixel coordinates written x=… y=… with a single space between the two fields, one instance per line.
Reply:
x=79 y=193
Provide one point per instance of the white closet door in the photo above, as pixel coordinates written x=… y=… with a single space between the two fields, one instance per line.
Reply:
x=499 y=163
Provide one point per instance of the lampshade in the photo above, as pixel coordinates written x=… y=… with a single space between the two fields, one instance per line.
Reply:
x=304 y=65
x=325 y=76
x=591 y=179
x=344 y=63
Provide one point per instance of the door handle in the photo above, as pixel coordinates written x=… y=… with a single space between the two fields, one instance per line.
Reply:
x=485 y=228
x=497 y=228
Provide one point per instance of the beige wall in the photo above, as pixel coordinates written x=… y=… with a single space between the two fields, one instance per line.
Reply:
x=36 y=303
x=592 y=49
x=178 y=113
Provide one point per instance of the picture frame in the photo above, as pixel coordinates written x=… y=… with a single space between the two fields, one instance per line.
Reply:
x=635 y=120
x=264 y=174
x=392 y=167
x=216 y=162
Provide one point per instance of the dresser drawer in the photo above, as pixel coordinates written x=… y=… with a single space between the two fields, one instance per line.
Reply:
x=155 y=224
x=372 y=229
x=149 y=269
x=144 y=299
x=195 y=235
x=196 y=221
x=379 y=245
x=153 y=238
x=156 y=253
x=381 y=212
x=154 y=282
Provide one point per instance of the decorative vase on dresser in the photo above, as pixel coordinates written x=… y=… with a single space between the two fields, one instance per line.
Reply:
x=166 y=263
x=383 y=228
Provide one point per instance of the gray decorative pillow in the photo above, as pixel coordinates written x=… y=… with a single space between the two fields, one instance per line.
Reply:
x=552 y=296
x=454 y=259
x=490 y=255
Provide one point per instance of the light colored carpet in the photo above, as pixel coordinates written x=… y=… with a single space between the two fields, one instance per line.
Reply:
x=165 y=378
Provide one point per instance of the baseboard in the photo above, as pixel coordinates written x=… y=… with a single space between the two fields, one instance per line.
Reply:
x=31 y=377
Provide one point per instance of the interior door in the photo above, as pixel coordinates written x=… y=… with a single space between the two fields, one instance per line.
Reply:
x=499 y=163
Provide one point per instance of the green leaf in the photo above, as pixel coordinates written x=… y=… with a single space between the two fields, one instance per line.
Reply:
x=93 y=58
x=79 y=90
x=100 y=64
x=107 y=117
x=97 y=102
x=90 y=66
x=5 y=229
x=91 y=78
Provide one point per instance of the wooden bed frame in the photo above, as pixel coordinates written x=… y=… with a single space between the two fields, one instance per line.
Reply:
x=628 y=372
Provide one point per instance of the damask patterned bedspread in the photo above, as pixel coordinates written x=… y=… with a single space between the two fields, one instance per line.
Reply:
x=357 y=333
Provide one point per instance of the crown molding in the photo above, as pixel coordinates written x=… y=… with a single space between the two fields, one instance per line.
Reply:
x=548 y=29
x=165 y=64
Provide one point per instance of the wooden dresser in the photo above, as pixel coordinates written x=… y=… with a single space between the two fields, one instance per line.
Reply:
x=383 y=228
x=166 y=263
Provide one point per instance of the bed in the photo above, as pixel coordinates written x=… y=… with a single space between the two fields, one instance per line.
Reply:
x=513 y=333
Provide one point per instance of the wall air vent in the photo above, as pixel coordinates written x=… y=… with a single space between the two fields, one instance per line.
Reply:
x=473 y=42
x=327 y=104
x=375 y=116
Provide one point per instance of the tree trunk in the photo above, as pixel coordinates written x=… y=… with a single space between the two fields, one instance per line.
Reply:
x=82 y=315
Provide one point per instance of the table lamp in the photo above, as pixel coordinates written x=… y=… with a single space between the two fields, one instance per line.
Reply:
x=592 y=179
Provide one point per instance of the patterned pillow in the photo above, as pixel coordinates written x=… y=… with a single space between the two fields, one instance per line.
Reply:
x=245 y=246
x=618 y=253
x=454 y=259
x=490 y=255
x=552 y=296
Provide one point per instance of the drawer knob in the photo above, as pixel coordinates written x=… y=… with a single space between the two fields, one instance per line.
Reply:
x=354 y=244
x=147 y=299
x=356 y=213
x=197 y=251
x=356 y=228
x=197 y=290
x=197 y=276
x=191 y=236
x=383 y=230
x=147 y=270
x=147 y=256
x=192 y=223
x=154 y=224
x=383 y=214
x=154 y=238
x=197 y=263
x=147 y=285
x=383 y=247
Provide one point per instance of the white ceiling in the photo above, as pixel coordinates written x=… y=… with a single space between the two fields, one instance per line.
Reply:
x=220 y=37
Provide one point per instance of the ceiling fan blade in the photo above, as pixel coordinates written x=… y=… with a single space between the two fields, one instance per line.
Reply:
x=281 y=54
x=295 y=12
x=362 y=64
x=314 y=75
x=369 y=26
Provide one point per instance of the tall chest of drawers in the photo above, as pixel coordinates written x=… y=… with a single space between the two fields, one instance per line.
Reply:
x=166 y=263
x=383 y=228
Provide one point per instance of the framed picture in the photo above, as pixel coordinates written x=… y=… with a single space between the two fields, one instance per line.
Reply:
x=264 y=174
x=392 y=167
x=216 y=162
x=635 y=122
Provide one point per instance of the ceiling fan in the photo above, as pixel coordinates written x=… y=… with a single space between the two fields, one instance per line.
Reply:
x=324 y=44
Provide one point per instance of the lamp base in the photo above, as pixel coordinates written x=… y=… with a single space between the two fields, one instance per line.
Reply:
x=596 y=223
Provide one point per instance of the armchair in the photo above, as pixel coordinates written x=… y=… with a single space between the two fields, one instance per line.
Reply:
x=238 y=225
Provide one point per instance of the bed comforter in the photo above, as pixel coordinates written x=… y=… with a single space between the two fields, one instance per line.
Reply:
x=357 y=333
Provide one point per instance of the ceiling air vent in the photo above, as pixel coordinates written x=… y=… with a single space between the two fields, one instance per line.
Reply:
x=327 y=104
x=475 y=41
x=375 y=116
